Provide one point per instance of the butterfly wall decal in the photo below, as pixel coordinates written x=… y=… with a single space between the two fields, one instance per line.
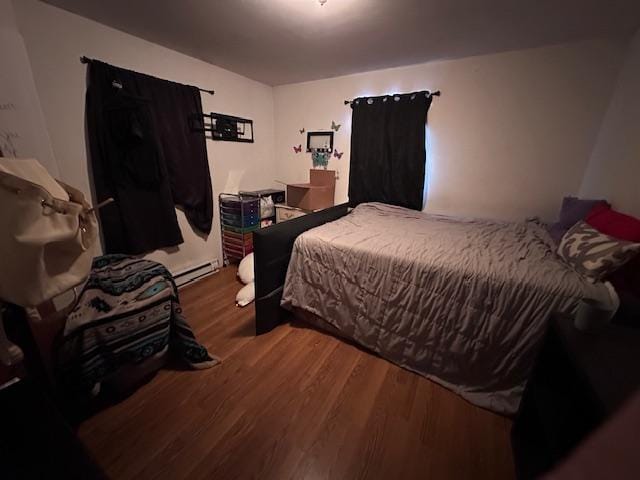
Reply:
x=297 y=149
x=301 y=131
x=335 y=126
x=337 y=154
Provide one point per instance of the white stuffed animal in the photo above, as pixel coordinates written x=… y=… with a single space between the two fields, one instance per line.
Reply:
x=245 y=269
x=247 y=294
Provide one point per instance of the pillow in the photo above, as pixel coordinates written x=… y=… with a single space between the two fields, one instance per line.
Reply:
x=614 y=223
x=594 y=254
x=246 y=295
x=245 y=269
x=572 y=211
x=626 y=281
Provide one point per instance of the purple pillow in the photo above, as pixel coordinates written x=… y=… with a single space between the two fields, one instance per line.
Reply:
x=572 y=211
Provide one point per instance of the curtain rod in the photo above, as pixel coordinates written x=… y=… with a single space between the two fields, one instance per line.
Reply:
x=84 y=59
x=428 y=94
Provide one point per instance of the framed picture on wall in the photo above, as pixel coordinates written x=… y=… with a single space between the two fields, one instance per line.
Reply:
x=320 y=142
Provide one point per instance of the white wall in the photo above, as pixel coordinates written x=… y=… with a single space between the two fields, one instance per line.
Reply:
x=7 y=18
x=510 y=135
x=56 y=39
x=614 y=169
x=23 y=132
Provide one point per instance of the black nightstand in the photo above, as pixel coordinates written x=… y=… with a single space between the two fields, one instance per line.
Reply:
x=578 y=381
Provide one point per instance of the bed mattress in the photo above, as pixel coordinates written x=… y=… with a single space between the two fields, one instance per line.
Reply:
x=461 y=301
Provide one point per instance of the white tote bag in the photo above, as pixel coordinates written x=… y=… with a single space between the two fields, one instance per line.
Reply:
x=47 y=234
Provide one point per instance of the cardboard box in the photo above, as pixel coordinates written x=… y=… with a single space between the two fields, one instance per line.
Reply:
x=319 y=193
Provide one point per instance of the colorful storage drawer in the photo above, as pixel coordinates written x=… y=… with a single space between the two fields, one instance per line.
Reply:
x=233 y=254
x=236 y=239
x=229 y=228
x=239 y=220
x=236 y=203
x=268 y=198
x=239 y=217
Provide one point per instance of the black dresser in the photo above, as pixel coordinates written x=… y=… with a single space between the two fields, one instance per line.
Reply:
x=578 y=381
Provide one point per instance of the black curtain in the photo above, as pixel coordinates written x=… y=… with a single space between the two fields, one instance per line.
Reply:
x=388 y=149
x=145 y=155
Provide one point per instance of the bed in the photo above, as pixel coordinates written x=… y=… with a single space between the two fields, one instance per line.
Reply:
x=461 y=301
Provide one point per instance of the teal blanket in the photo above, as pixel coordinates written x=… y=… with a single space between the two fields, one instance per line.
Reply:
x=127 y=312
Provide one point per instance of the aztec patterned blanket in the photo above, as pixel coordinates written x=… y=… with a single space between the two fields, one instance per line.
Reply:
x=127 y=312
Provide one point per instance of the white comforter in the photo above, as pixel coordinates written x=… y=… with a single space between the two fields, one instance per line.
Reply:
x=463 y=302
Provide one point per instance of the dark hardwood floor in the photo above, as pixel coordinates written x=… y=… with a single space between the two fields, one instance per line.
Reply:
x=292 y=404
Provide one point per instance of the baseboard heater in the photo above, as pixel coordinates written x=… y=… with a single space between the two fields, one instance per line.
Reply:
x=195 y=273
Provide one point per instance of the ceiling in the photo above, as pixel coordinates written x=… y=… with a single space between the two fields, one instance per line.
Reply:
x=288 y=41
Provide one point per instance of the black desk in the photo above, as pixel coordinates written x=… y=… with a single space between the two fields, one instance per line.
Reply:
x=579 y=379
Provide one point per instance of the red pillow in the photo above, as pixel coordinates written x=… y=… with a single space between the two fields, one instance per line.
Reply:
x=616 y=224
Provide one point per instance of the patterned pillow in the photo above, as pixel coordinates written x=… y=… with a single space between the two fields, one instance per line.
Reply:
x=594 y=254
x=573 y=210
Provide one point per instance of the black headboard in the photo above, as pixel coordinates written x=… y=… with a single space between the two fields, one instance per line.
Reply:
x=272 y=248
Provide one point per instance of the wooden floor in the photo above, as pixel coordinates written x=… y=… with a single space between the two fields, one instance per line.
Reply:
x=294 y=403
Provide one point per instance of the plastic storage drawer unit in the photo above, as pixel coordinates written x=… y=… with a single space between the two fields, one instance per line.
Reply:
x=239 y=217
